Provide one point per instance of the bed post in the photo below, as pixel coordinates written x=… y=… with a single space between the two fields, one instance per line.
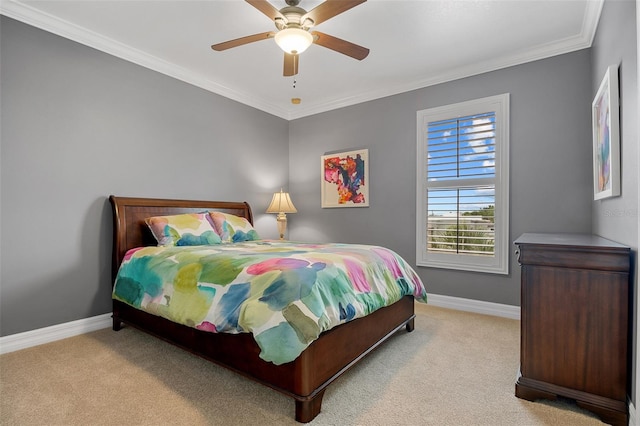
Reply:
x=117 y=324
x=411 y=324
x=115 y=258
x=308 y=409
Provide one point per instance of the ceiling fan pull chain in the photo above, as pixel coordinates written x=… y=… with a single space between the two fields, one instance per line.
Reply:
x=295 y=70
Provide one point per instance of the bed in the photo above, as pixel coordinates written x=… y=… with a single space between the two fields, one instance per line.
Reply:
x=304 y=378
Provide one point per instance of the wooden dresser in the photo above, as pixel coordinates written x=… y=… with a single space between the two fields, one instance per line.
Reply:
x=574 y=339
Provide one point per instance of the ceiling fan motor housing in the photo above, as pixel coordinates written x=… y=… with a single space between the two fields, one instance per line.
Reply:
x=293 y=16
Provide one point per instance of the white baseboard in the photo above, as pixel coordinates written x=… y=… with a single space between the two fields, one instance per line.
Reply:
x=633 y=420
x=15 y=342
x=40 y=336
x=477 y=306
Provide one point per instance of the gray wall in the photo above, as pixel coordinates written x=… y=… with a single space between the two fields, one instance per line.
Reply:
x=79 y=125
x=550 y=153
x=617 y=218
x=615 y=44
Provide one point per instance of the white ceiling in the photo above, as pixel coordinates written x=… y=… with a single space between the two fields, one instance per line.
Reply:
x=413 y=44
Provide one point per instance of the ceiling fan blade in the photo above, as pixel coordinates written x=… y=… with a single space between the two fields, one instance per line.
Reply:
x=265 y=7
x=242 y=40
x=329 y=9
x=340 y=46
x=290 y=64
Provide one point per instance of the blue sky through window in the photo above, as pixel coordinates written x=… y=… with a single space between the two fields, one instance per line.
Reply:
x=461 y=148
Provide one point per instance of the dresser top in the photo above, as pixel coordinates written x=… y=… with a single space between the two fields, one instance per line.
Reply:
x=560 y=239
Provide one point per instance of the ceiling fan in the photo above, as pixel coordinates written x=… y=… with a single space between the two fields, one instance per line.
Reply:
x=294 y=35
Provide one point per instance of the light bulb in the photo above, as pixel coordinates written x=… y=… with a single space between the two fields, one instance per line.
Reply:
x=293 y=40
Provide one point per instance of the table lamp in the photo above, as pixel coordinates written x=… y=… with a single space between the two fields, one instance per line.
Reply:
x=281 y=204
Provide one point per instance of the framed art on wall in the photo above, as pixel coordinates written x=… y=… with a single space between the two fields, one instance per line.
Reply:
x=606 y=137
x=345 y=179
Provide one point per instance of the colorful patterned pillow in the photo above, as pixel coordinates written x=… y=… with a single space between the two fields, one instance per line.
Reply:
x=233 y=229
x=183 y=230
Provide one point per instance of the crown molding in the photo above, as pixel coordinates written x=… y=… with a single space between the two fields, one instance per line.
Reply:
x=29 y=15
x=544 y=51
x=34 y=17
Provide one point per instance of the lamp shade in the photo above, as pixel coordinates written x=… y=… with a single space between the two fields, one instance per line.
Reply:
x=281 y=203
x=293 y=40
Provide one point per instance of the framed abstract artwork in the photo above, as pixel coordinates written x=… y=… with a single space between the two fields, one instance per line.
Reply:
x=345 y=179
x=606 y=137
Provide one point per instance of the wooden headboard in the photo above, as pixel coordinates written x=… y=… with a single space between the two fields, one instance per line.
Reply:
x=130 y=230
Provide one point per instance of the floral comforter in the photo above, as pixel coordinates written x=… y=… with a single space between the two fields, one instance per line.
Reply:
x=285 y=293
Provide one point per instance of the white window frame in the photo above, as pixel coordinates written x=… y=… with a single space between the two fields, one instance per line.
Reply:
x=499 y=263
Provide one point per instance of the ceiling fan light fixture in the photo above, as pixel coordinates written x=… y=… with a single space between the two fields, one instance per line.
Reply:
x=293 y=40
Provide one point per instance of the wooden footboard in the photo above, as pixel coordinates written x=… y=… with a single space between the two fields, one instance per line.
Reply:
x=304 y=379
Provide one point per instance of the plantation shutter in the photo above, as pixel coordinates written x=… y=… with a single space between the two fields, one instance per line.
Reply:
x=461 y=171
x=462 y=207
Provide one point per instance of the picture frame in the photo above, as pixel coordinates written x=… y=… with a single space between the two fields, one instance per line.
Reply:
x=344 y=178
x=605 y=118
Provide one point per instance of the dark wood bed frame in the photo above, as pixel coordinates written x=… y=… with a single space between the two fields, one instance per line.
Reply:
x=306 y=378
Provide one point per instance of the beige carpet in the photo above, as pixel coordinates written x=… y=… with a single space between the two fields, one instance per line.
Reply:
x=456 y=368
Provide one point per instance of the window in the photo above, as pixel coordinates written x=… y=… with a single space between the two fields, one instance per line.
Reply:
x=463 y=186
